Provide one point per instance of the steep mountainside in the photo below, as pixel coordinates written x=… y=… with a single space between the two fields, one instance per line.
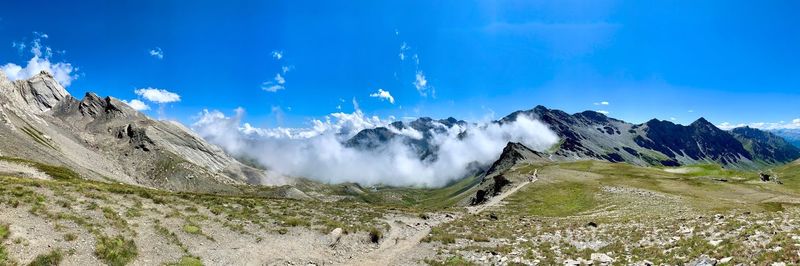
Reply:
x=763 y=144
x=593 y=135
x=496 y=179
x=791 y=135
x=105 y=139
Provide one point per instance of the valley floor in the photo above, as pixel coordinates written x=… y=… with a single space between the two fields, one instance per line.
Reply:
x=575 y=213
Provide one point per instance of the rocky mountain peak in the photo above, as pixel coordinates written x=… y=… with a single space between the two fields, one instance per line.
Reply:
x=41 y=92
x=702 y=122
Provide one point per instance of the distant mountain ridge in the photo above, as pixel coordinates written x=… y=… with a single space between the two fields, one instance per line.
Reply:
x=592 y=135
x=791 y=135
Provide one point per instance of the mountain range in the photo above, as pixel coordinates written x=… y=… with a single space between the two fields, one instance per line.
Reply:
x=592 y=135
x=791 y=135
x=102 y=138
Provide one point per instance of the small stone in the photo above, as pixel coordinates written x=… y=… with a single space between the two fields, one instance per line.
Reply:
x=715 y=242
x=602 y=258
x=703 y=260
x=571 y=263
x=725 y=260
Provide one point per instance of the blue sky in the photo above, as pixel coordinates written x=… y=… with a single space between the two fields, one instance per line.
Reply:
x=729 y=61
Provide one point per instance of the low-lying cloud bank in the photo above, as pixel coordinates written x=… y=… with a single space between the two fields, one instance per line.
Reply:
x=318 y=152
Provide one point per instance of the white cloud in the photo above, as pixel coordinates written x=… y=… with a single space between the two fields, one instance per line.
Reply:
x=795 y=124
x=271 y=87
x=274 y=86
x=63 y=72
x=383 y=95
x=691 y=111
x=158 y=95
x=285 y=69
x=403 y=48
x=318 y=152
x=673 y=119
x=421 y=83
x=603 y=112
x=601 y=103
x=277 y=55
x=19 y=45
x=157 y=53
x=137 y=105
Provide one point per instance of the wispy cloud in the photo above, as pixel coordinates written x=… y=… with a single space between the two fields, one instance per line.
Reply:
x=403 y=48
x=63 y=72
x=383 y=95
x=603 y=112
x=278 y=82
x=278 y=55
x=421 y=83
x=601 y=103
x=271 y=87
x=157 y=53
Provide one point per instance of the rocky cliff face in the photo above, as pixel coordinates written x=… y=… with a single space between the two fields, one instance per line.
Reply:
x=105 y=139
x=496 y=179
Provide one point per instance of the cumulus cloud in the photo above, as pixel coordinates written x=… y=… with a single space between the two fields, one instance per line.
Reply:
x=160 y=96
x=318 y=152
x=383 y=95
x=63 y=72
x=601 y=103
x=794 y=124
x=157 y=53
x=137 y=105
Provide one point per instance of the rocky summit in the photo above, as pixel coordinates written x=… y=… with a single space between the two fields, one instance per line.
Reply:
x=102 y=138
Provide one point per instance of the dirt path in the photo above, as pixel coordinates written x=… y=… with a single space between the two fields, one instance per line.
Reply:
x=494 y=201
x=406 y=233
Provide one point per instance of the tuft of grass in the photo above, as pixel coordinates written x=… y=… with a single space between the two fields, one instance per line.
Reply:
x=116 y=251
x=70 y=237
x=4 y=232
x=53 y=258
x=375 y=235
x=452 y=261
x=189 y=261
x=294 y=222
x=192 y=229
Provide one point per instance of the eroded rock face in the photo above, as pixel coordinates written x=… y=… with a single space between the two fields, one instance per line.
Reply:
x=41 y=92
x=103 y=138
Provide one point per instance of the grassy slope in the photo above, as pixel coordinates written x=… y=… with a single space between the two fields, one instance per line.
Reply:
x=639 y=211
